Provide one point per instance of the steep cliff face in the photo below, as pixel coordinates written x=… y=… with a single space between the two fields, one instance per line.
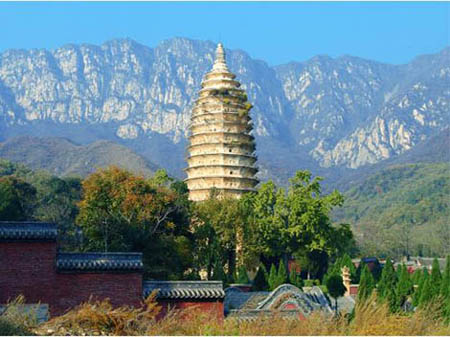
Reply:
x=335 y=112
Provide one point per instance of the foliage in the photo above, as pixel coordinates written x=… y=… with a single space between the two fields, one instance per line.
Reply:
x=242 y=275
x=296 y=222
x=387 y=285
x=404 y=287
x=14 y=321
x=336 y=267
x=366 y=284
x=273 y=275
x=295 y=279
x=123 y=212
x=435 y=279
x=336 y=288
x=402 y=209
x=260 y=281
x=445 y=284
x=418 y=292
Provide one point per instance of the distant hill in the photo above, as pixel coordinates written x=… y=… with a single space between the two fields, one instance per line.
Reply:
x=402 y=208
x=62 y=157
x=435 y=149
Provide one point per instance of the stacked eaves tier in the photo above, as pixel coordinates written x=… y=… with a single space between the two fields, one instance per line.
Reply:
x=221 y=150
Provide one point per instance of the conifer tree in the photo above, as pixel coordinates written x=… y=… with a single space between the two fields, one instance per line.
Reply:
x=417 y=276
x=242 y=277
x=445 y=283
x=404 y=287
x=388 y=282
x=260 y=281
x=418 y=291
x=295 y=279
x=281 y=275
x=219 y=274
x=435 y=280
x=272 y=277
x=366 y=284
x=427 y=292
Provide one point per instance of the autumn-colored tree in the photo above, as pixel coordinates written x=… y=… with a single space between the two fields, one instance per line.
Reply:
x=123 y=212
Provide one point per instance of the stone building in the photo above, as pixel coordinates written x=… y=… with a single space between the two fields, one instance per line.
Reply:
x=221 y=147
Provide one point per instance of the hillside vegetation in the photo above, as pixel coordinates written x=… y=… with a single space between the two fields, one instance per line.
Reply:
x=62 y=157
x=402 y=209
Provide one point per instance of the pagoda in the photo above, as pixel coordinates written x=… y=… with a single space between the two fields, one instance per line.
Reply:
x=221 y=148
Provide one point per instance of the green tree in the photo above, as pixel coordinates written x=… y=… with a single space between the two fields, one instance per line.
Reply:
x=427 y=293
x=295 y=279
x=404 y=286
x=366 y=284
x=273 y=275
x=282 y=276
x=336 y=288
x=219 y=274
x=295 y=221
x=16 y=199
x=445 y=284
x=260 y=282
x=435 y=281
x=387 y=285
x=242 y=275
x=418 y=292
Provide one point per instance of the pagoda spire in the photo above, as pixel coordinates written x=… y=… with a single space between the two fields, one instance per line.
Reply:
x=220 y=64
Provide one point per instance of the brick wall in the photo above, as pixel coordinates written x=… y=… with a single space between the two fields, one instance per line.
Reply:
x=29 y=268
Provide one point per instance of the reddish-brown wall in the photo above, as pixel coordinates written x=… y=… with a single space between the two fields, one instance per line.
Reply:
x=74 y=288
x=29 y=268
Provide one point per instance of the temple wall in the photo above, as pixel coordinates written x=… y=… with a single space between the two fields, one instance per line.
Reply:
x=29 y=269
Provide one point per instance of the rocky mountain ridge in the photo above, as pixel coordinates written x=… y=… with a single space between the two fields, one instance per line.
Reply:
x=323 y=113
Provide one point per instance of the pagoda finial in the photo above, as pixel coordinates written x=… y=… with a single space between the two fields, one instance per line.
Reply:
x=220 y=65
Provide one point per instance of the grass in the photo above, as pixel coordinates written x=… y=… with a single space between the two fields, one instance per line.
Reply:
x=100 y=318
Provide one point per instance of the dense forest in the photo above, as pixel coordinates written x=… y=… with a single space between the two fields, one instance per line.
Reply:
x=401 y=210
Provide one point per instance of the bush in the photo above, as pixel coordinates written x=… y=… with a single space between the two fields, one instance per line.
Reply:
x=14 y=321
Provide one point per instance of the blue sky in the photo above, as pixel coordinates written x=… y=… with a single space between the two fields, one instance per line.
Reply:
x=277 y=32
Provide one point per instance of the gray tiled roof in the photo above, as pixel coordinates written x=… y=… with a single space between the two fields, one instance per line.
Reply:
x=27 y=231
x=185 y=289
x=99 y=262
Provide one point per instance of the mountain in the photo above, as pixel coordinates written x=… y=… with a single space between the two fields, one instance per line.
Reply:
x=401 y=209
x=327 y=115
x=62 y=157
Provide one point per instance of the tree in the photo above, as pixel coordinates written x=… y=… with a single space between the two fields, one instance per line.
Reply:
x=445 y=284
x=282 y=276
x=295 y=221
x=260 y=281
x=336 y=288
x=272 y=277
x=242 y=275
x=404 y=287
x=16 y=199
x=123 y=212
x=295 y=279
x=225 y=220
x=419 y=289
x=435 y=280
x=427 y=293
x=366 y=284
x=387 y=285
